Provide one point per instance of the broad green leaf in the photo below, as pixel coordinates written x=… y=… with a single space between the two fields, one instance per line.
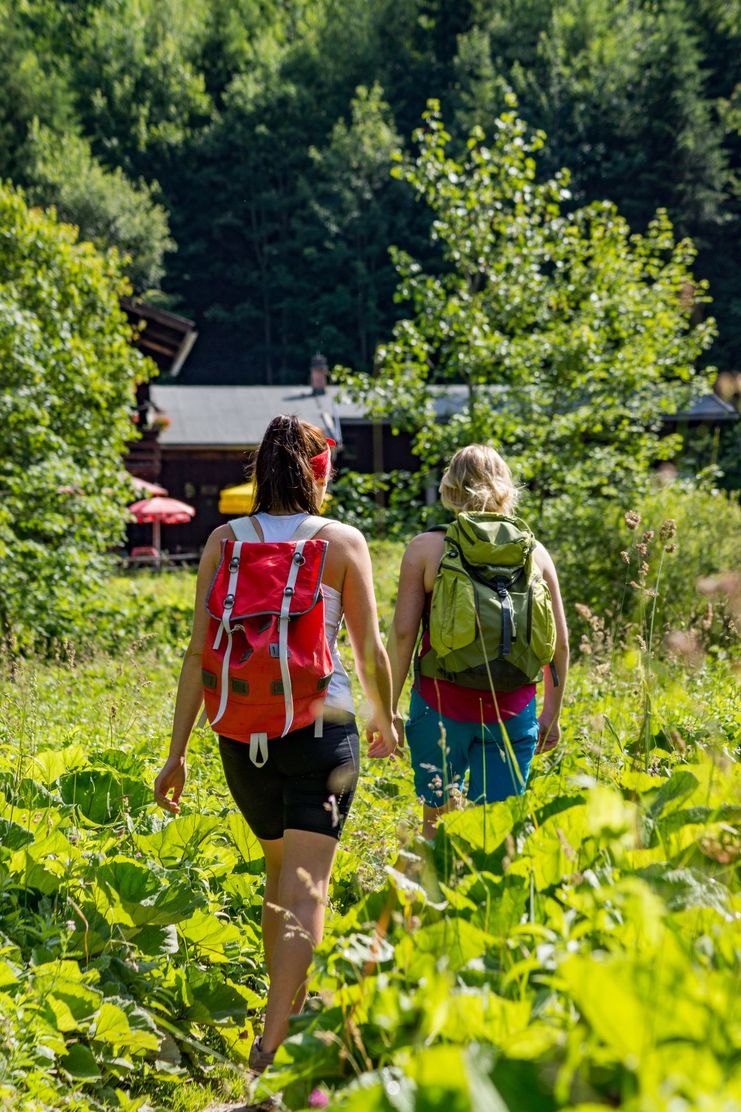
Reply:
x=143 y=897
x=480 y=828
x=451 y=943
x=243 y=838
x=13 y=836
x=685 y=888
x=608 y=814
x=112 y=1026
x=478 y=1014
x=102 y=795
x=216 y=1001
x=215 y=939
x=181 y=839
x=676 y=790
x=450 y=1077
x=610 y=1004
x=80 y=1063
x=48 y=765
x=555 y=849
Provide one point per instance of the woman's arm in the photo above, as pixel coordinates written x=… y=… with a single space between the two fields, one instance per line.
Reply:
x=371 y=661
x=189 y=694
x=550 y=729
x=410 y=601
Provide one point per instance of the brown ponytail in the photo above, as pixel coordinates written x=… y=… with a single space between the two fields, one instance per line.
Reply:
x=284 y=479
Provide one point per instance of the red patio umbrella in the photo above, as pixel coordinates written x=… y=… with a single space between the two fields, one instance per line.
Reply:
x=161 y=511
x=147 y=490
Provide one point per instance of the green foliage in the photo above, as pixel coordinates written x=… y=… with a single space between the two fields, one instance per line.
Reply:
x=67 y=376
x=34 y=79
x=474 y=973
x=567 y=332
x=229 y=98
x=696 y=592
x=348 y=193
x=107 y=208
x=139 y=89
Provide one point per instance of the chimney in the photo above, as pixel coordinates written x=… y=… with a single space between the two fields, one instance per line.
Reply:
x=319 y=374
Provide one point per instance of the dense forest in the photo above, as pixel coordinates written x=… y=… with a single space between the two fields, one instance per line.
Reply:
x=239 y=151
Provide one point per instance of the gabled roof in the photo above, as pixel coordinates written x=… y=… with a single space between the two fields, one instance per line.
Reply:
x=707 y=408
x=165 y=337
x=237 y=416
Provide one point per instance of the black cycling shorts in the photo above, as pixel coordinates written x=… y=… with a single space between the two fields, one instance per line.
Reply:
x=307 y=782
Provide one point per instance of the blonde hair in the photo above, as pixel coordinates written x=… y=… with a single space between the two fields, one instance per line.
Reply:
x=477 y=479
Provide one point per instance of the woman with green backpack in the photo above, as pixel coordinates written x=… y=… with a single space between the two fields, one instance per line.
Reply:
x=485 y=595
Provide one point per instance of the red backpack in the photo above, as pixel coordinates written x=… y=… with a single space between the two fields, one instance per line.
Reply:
x=266 y=664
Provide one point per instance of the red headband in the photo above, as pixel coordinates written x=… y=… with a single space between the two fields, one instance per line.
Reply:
x=321 y=464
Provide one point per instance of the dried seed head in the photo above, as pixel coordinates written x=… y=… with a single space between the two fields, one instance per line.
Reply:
x=625 y=556
x=648 y=536
x=670 y=548
x=583 y=611
x=632 y=519
x=642 y=550
x=668 y=529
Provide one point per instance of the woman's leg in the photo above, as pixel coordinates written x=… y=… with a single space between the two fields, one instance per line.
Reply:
x=302 y=897
x=500 y=765
x=431 y=815
x=438 y=750
x=271 y=916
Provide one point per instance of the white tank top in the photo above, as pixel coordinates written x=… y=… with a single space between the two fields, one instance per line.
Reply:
x=281 y=527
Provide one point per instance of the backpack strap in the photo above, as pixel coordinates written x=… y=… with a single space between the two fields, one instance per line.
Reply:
x=309 y=527
x=244 y=530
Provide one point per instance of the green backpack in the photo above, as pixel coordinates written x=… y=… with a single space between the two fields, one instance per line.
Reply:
x=491 y=619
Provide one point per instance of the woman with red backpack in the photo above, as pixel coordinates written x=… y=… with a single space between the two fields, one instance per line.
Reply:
x=271 y=592
x=485 y=596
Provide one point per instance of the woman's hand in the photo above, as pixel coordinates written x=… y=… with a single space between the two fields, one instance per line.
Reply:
x=550 y=732
x=382 y=739
x=170 y=779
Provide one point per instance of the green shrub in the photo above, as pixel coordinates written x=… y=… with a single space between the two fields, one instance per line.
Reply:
x=586 y=540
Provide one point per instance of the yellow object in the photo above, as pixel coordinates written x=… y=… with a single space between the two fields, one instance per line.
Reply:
x=240 y=499
x=237 y=499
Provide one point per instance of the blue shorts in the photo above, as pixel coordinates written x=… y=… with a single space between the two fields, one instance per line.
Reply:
x=469 y=746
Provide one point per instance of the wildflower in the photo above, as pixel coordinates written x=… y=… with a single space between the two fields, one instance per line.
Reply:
x=668 y=529
x=632 y=519
x=625 y=556
x=318 y=1098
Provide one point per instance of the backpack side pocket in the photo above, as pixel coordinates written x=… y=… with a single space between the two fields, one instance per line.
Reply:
x=542 y=625
x=452 y=611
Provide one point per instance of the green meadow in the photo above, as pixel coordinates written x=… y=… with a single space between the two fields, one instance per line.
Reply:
x=575 y=948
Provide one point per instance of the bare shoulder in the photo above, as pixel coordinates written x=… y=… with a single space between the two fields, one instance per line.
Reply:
x=544 y=561
x=346 y=537
x=212 y=548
